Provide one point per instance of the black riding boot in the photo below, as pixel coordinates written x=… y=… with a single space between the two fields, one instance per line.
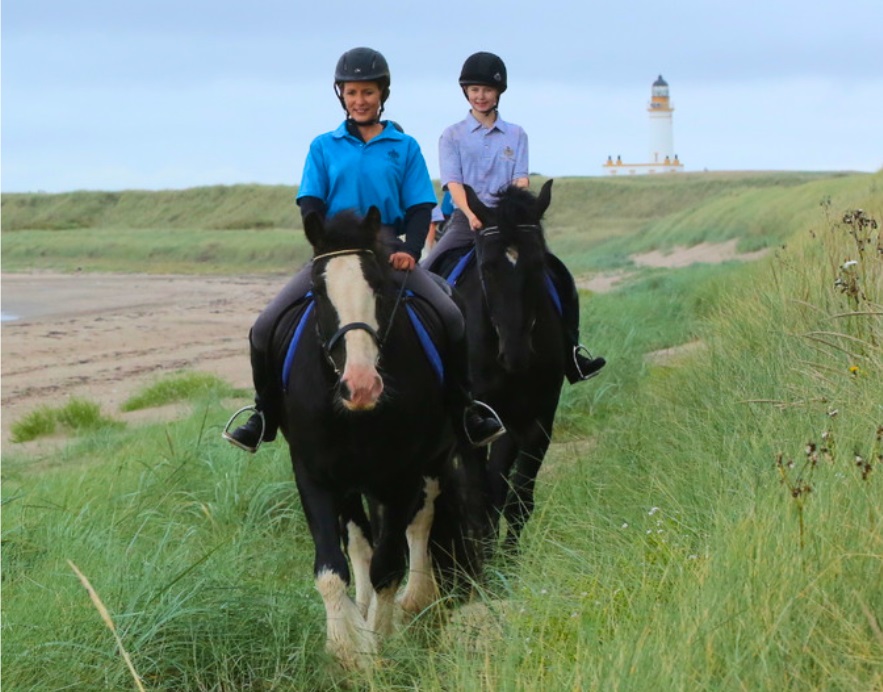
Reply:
x=263 y=424
x=481 y=423
x=579 y=363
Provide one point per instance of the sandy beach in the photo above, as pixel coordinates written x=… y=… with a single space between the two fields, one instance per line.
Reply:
x=103 y=337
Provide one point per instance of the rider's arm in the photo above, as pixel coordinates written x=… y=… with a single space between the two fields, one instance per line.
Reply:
x=458 y=194
x=416 y=226
x=311 y=204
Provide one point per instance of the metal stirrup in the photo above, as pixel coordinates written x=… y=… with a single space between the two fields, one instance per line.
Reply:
x=226 y=434
x=502 y=431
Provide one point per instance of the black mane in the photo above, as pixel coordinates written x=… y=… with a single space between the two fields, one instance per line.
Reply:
x=346 y=230
x=515 y=205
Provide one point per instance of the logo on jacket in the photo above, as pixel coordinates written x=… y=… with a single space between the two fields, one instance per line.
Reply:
x=394 y=155
x=509 y=153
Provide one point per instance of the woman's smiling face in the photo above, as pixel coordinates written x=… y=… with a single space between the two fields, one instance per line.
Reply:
x=362 y=100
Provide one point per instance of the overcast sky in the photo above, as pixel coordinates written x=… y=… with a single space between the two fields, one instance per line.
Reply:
x=131 y=94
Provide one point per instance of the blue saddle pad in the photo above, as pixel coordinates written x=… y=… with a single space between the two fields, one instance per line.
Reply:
x=452 y=265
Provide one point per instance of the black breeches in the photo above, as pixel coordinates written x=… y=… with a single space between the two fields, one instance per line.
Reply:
x=294 y=290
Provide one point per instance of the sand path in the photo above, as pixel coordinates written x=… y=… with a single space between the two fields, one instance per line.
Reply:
x=105 y=336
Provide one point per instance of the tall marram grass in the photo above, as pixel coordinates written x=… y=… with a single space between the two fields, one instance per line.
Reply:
x=668 y=551
x=676 y=554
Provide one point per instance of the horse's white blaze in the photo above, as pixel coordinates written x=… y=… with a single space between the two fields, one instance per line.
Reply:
x=512 y=255
x=421 y=589
x=360 y=552
x=353 y=300
x=349 y=638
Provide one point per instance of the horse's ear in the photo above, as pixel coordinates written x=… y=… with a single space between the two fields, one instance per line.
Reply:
x=477 y=206
x=372 y=220
x=544 y=198
x=314 y=228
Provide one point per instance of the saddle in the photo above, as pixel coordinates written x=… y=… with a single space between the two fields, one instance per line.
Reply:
x=452 y=263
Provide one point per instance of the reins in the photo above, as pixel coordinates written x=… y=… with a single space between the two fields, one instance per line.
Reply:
x=395 y=308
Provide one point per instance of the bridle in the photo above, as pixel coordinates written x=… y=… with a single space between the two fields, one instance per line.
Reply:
x=492 y=231
x=495 y=230
x=329 y=344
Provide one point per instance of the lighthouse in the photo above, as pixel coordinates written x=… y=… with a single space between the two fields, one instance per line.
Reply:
x=660 y=110
x=662 y=158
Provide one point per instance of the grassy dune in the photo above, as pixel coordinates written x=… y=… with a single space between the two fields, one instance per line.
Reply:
x=712 y=522
x=594 y=223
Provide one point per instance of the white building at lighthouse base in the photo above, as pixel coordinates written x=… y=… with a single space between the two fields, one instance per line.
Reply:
x=667 y=165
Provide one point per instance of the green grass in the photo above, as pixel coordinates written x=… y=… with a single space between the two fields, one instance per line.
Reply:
x=593 y=223
x=178 y=387
x=77 y=416
x=701 y=525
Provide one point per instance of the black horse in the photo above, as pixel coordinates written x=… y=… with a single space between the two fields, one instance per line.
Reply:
x=516 y=343
x=364 y=418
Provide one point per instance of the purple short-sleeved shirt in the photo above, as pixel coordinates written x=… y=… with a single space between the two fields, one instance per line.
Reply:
x=486 y=159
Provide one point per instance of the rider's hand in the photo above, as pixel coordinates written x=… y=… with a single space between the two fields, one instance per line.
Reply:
x=474 y=222
x=402 y=260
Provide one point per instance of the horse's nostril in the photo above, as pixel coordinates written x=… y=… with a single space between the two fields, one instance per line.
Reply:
x=344 y=391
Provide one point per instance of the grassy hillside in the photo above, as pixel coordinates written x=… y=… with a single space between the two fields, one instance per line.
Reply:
x=711 y=522
x=206 y=208
x=593 y=222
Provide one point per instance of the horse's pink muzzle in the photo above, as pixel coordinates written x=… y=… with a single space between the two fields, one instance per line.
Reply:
x=361 y=387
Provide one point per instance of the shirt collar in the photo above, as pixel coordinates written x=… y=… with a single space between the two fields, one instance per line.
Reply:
x=389 y=131
x=474 y=125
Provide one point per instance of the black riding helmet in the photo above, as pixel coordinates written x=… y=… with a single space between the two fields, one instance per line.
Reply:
x=362 y=65
x=484 y=68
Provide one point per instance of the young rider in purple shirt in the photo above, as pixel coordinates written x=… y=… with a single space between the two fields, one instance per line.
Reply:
x=487 y=153
x=363 y=163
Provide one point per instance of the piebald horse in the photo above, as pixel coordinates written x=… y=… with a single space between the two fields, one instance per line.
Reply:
x=387 y=487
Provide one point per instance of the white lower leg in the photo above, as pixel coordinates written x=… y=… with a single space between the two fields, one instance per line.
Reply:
x=360 y=552
x=349 y=638
x=380 y=614
x=421 y=589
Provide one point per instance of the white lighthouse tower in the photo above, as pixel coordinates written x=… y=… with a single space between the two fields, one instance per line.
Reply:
x=662 y=157
x=660 y=110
